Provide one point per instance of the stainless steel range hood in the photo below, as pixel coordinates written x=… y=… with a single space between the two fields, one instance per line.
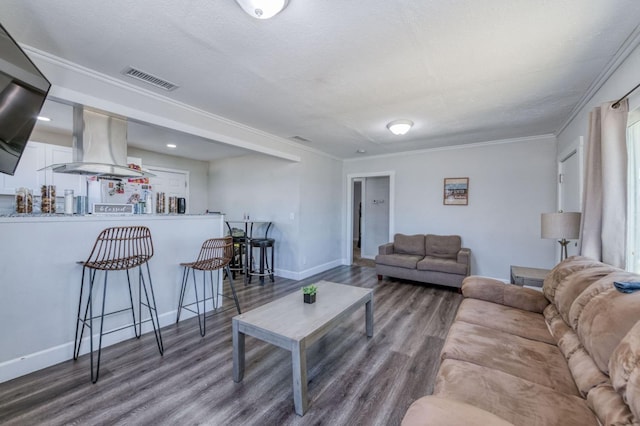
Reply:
x=99 y=146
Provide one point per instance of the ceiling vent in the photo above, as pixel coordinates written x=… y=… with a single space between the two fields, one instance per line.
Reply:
x=300 y=139
x=149 y=79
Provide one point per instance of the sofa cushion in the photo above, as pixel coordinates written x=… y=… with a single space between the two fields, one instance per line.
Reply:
x=409 y=244
x=444 y=246
x=438 y=264
x=573 y=285
x=534 y=361
x=603 y=316
x=432 y=410
x=610 y=408
x=400 y=260
x=504 y=318
x=624 y=367
x=584 y=371
x=512 y=398
x=564 y=269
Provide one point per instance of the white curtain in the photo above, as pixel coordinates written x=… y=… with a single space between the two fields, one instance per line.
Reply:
x=604 y=207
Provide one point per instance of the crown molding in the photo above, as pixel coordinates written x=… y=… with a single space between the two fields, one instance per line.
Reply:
x=454 y=147
x=629 y=45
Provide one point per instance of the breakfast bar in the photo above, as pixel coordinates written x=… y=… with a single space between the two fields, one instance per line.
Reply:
x=40 y=279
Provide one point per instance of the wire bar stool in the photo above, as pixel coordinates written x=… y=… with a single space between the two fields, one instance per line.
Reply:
x=215 y=254
x=117 y=249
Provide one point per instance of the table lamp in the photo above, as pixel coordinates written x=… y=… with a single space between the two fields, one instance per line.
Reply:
x=562 y=226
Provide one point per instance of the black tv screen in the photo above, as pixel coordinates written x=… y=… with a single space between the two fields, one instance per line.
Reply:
x=23 y=90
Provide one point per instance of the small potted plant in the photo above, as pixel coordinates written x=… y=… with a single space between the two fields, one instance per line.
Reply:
x=309 y=293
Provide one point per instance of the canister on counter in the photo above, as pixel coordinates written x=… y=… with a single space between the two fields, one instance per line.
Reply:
x=160 y=206
x=68 y=201
x=173 y=204
x=48 y=199
x=24 y=200
x=81 y=205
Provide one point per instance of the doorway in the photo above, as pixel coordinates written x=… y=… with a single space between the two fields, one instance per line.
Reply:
x=369 y=215
x=570 y=184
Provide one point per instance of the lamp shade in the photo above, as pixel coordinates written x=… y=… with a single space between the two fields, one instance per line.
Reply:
x=564 y=225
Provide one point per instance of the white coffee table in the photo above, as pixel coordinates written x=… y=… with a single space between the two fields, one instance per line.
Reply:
x=293 y=325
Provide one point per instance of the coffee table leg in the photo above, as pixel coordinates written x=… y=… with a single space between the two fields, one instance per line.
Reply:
x=238 y=351
x=369 y=317
x=299 y=364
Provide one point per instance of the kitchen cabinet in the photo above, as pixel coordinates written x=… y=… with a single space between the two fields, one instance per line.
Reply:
x=28 y=174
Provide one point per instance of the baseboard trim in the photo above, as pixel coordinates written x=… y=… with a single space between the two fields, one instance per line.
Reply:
x=29 y=363
x=308 y=272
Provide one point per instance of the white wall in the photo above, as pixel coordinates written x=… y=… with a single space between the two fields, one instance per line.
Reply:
x=510 y=184
x=303 y=199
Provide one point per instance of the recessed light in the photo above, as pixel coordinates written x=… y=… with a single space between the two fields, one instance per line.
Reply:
x=43 y=118
x=171 y=145
x=361 y=151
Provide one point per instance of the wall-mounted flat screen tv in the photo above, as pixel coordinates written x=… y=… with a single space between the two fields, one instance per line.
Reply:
x=23 y=90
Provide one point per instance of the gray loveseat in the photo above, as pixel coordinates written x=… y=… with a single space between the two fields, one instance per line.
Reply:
x=435 y=259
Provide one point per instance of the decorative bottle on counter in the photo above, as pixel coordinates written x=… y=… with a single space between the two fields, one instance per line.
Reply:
x=68 y=201
x=148 y=206
x=48 y=199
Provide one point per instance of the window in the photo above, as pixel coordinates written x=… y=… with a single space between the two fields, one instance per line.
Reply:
x=633 y=194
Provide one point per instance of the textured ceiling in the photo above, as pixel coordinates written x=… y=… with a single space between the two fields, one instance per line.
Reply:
x=337 y=71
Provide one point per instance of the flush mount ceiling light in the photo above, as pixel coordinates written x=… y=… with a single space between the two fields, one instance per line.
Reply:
x=171 y=146
x=42 y=118
x=263 y=9
x=399 y=127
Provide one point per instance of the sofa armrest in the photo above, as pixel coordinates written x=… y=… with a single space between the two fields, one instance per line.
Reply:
x=464 y=255
x=505 y=294
x=386 y=248
x=437 y=411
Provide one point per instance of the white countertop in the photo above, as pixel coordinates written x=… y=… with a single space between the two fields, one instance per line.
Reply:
x=25 y=218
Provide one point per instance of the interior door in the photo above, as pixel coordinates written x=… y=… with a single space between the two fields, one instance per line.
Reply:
x=375 y=212
x=570 y=188
x=173 y=183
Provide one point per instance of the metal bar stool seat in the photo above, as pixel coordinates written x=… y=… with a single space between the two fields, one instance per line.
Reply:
x=263 y=244
x=215 y=254
x=116 y=249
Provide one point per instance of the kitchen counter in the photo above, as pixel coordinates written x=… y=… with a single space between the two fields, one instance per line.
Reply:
x=36 y=217
x=40 y=279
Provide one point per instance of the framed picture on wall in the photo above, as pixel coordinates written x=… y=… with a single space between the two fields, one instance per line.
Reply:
x=456 y=191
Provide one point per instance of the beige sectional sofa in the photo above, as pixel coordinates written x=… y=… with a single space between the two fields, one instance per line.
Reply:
x=567 y=356
x=435 y=259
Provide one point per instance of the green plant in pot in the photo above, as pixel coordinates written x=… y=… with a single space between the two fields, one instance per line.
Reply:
x=309 y=293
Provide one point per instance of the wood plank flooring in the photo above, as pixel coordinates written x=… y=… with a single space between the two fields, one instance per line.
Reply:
x=352 y=379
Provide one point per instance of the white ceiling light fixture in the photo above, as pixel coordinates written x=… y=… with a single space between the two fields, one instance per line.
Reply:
x=400 y=127
x=263 y=9
x=171 y=146
x=43 y=118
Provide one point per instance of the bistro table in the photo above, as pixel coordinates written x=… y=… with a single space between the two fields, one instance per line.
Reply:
x=248 y=234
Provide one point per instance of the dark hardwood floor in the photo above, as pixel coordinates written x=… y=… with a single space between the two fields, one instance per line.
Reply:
x=352 y=379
